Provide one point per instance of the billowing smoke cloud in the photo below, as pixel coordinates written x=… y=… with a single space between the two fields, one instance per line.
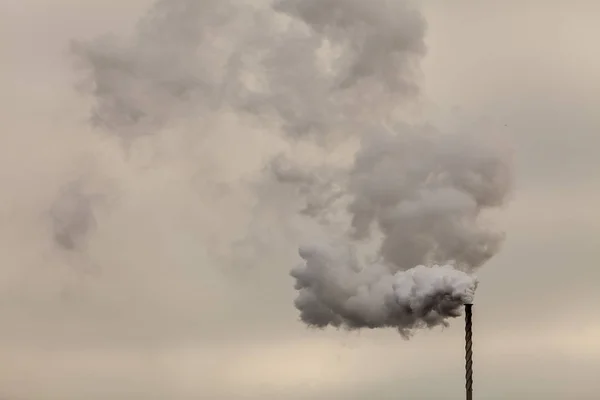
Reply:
x=336 y=289
x=424 y=193
x=313 y=86
x=304 y=66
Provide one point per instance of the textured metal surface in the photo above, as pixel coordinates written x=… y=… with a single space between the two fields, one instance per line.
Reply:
x=469 y=351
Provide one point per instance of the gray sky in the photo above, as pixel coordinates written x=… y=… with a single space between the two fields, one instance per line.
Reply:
x=145 y=314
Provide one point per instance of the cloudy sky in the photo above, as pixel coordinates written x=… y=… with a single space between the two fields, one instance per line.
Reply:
x=164 y=300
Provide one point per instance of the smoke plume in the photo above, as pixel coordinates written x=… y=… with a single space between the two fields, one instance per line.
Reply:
x=422 y=191
x=315 y=90
x=424 y=194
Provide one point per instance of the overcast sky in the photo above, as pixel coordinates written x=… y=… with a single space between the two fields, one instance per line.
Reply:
x=145 y=313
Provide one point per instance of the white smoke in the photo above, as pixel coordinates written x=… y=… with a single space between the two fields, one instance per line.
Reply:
x=424 y=193
x=307 y=83
x=336 y=289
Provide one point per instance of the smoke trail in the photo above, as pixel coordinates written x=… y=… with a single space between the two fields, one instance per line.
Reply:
x=422 y=191
x=315 y=79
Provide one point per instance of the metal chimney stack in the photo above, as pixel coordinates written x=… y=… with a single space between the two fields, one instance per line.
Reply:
x=469 y=351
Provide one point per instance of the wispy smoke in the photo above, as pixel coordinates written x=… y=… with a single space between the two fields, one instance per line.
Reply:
x=72 y=216
x=315 y=78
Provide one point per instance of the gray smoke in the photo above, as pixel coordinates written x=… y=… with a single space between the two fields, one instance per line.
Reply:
x=304 y=66
x=425 y=191
x=381 y=38
x=318 y=79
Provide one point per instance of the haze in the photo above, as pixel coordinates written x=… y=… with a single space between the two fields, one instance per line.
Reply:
x=163 y=321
